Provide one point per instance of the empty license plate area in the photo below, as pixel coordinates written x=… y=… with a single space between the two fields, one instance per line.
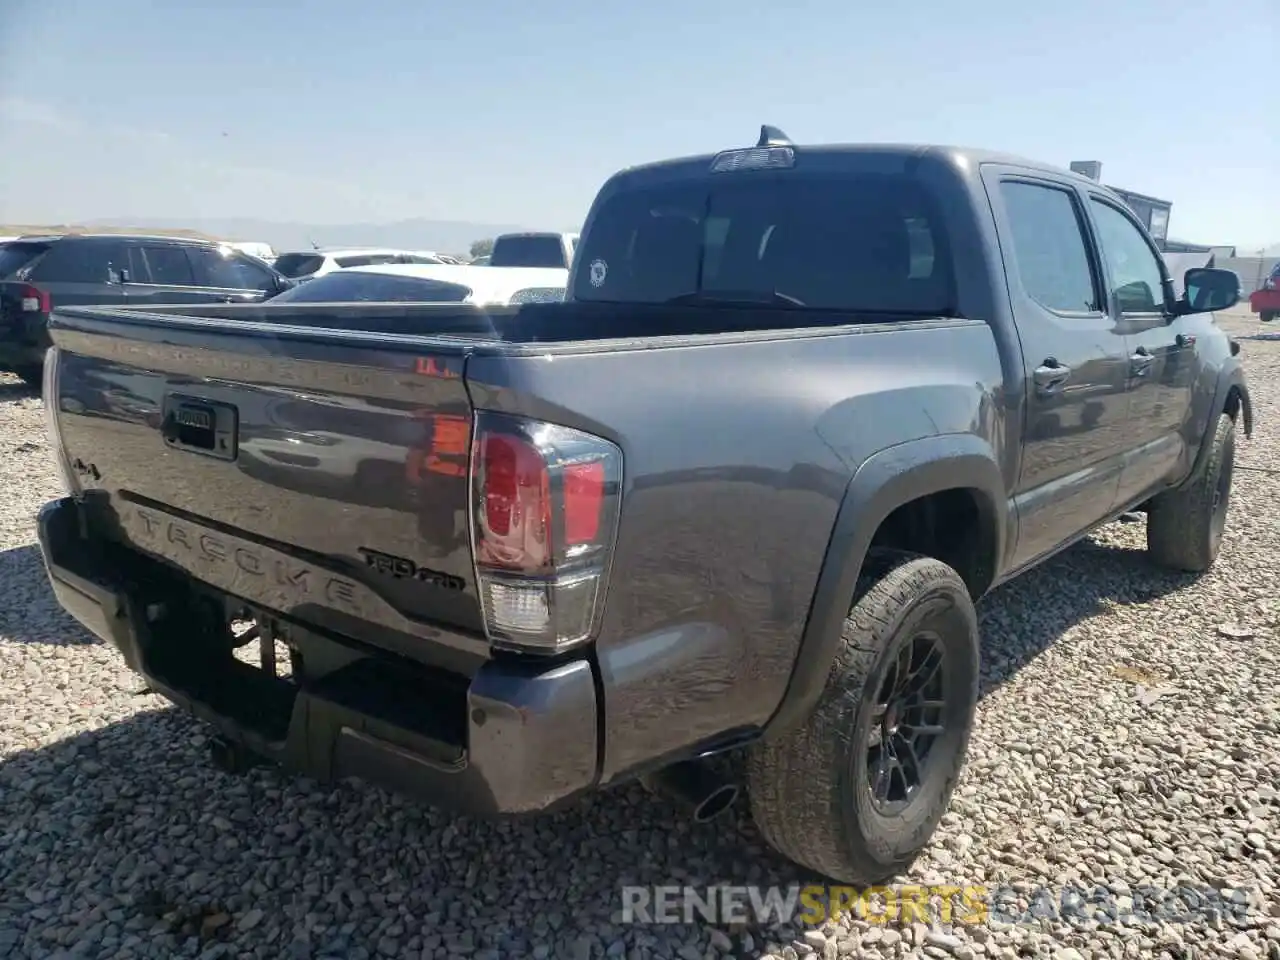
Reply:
x=200 y=426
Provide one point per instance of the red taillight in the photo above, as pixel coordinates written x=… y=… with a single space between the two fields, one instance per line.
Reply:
x=583 y=500
x=515 y=519
x=34 y=300
x=546 y=503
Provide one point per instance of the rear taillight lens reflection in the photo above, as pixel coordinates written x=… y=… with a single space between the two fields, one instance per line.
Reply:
x=34 y=300
x=545 y=505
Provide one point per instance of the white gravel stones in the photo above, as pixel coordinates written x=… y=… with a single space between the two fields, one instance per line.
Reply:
x=117 y=838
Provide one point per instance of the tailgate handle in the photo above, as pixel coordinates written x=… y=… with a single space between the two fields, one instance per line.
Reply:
x=200 y=426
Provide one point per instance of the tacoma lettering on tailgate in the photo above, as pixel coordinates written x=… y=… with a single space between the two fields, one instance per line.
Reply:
x=265 y=573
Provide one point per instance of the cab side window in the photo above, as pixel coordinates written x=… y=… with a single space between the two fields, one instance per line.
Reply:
x=1049 y=247
x=1137 y=280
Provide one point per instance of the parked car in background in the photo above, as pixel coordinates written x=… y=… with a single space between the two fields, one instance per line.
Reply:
x=431 y=283
x=254 y=248
x=38 y=273
x=533 y=250
x=306 y=265
x=1265 y=301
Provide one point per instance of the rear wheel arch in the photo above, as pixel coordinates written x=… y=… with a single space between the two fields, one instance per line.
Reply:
x=894 y=501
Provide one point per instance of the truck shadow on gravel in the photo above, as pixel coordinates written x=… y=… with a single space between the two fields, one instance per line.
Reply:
x=185 y=854
x=1026 y=616
x=28 y=611
x=16 y=390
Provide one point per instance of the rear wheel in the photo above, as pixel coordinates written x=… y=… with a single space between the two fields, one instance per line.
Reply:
x=1185 y=526
x=1267 y=316
x=857 y=790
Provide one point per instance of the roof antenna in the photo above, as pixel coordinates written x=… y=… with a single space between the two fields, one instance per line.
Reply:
x=773 y=137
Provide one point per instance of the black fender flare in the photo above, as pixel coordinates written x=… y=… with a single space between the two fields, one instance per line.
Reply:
x=882 y=483
x=1230 y=377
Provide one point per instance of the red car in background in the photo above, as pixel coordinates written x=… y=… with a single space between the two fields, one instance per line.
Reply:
x=1265 y=301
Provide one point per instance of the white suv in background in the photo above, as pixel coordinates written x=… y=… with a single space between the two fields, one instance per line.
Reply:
x=308 y=264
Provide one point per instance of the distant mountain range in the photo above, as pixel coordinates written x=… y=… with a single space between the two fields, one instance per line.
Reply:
x=442 y=236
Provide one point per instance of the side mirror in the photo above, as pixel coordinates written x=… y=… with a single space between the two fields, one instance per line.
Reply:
x=1208 y=289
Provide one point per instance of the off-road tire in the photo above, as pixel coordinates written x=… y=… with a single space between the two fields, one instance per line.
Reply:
x=1184 y=526
x=807 y=789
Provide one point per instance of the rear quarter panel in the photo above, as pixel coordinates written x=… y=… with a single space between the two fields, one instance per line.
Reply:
x=737 y=456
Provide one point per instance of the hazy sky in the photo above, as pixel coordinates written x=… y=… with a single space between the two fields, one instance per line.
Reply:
x=514 y=111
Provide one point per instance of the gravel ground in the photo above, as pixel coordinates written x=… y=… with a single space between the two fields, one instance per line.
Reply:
x=1129 y=736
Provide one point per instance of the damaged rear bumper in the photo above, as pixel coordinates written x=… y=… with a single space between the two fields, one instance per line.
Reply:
x=514 y=738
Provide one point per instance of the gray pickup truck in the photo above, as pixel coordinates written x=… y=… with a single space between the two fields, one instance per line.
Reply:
x=802 y=408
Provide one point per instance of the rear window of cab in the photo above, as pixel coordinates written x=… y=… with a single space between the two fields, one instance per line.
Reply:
x=849 y=242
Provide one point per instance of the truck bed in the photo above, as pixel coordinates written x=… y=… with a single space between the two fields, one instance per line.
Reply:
x=569 y=324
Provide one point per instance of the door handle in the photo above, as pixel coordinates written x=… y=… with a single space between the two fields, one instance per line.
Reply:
x=1140 y=362
x=1051 y=375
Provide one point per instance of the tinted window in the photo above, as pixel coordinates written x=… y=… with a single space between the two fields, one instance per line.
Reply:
x=865 y=243
x=298 y=264
x=527 y=252
x=16 y=255
x=366 y=259
x=169 y=266
x=1136 y=278
x=253 y=275
x=345 y=286
x=214 y=268
x=81 y=262
x=1049 y=248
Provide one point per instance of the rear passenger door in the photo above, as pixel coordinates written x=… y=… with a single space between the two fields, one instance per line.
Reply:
x=1075 y=360
x=1162 y=361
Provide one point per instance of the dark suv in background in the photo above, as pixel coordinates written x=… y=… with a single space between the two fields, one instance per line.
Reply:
x=38 y=273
